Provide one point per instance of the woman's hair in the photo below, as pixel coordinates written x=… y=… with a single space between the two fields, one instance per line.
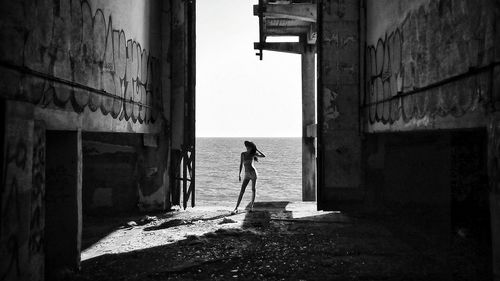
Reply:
x=253 y=149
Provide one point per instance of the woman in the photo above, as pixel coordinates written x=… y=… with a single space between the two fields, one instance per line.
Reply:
x=247 y=159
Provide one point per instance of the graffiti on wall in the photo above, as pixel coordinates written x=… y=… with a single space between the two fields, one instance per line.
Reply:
x=14 y=225
x=37 y=220
x=385 y=74
x=432 y=44
x=77 y=57
x=331 y=111
x=11 y=215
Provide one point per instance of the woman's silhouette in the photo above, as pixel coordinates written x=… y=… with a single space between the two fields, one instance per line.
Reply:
x=247 y=159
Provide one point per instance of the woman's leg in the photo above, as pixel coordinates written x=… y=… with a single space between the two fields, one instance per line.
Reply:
x=243 y=187
x=254 y=182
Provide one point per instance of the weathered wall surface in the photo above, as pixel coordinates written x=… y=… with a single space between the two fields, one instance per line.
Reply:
x=179 y=73
x=110 y=172
x=433 y=65
x=428 y=63
x=124 y=172
x=338 y=117
x=37 y=221
x=154 y=188
x=388 y=66
x=101 y=66
x=74 y=55
x=22 y=210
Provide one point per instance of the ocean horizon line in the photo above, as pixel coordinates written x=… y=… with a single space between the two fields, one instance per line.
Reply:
x=238 y=137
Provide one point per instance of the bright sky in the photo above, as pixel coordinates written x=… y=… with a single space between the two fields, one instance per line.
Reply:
x=237 y=95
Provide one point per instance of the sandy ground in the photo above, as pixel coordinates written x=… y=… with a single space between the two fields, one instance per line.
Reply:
x=278 y=241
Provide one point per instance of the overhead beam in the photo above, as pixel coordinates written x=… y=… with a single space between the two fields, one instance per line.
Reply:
x=283 y=18
x=286 y=31
x=284 y=47
x=281 y=22
x=303 y=12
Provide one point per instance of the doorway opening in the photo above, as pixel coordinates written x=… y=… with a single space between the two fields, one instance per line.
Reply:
x=242 y=98
x=63 y=210
x=436 y=184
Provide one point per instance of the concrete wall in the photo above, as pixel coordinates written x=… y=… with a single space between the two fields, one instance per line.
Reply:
x=428 y=63
x=73 y=56
x=21 y=212
x=100 y=66
x=388 y=66
x=432 y=65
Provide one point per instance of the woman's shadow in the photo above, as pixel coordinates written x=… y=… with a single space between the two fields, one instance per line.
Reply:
x=260 y=217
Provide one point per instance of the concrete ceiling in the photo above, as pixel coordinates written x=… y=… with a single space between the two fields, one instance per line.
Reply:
x=286 y=18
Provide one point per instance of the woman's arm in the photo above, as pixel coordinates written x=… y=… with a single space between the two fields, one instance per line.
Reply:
x=241 y=165
x=259 y=153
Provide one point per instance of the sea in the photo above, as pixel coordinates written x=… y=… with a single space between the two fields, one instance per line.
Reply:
x=217 y=167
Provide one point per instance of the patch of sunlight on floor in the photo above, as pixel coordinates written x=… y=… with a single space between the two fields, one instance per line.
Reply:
x=299 y=214
x=197 y=221
x=178 y=225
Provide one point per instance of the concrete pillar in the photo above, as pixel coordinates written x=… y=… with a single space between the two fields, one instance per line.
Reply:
x=339 y=138
x=179 y=73
x=494 y=179
x=63 y=221
x=308 y=119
